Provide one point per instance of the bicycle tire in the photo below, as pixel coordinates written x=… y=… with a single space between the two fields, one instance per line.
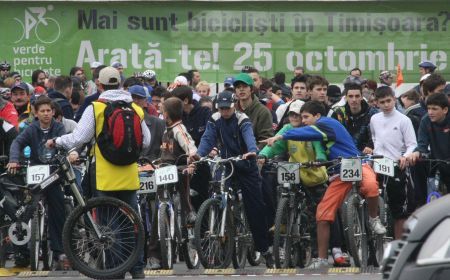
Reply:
x=282 y=241
x=47 y=253
x=78 y=225
x=146 y=217
x=37 y=233
x=220 y=259
x=254 y=258
x=357 y=242
x=241 y=244
x=165 y=238
x=189 y=250
x=304 y=256
x=3 y=246
x=380 y=240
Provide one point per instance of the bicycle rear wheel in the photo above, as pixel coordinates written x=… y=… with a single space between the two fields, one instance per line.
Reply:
x=119 y=245
x=214 y=250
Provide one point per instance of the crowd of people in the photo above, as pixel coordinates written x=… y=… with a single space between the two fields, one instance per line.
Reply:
x=256 y=117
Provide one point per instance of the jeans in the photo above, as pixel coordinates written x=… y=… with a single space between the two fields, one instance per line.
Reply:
x=129 y=197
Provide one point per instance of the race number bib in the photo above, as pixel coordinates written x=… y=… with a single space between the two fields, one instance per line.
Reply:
x=37 y=173
x=166 y=175
x=351 y=170
x=384 y=166
x=147 y=183
x=288 y=173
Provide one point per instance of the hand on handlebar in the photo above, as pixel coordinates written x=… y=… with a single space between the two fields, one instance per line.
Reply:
x=403 y=162
x=367 y=151
x=248 y=155
x=12 y=167
x=412 y=158
x=73 y=157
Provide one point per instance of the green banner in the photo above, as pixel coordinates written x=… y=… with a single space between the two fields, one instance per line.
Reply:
x=218 y=39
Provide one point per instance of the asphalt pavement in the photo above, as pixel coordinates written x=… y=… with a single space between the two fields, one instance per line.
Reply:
x=181 y=272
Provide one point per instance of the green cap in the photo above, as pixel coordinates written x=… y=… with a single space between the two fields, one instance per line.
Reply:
x=243 y=78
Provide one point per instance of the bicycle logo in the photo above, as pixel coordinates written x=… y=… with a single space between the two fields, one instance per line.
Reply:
x=46 y=29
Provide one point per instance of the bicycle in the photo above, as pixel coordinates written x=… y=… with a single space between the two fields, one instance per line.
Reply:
x=102 y=237
x=294 y=220
x=354 y=212
x=436 y=188
x=172 y=225
x=50 y=35
x=221 y=232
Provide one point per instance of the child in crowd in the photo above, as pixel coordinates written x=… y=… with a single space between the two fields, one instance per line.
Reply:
x=393 y=137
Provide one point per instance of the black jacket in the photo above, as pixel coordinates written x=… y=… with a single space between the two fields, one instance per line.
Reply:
x=196 y=121
x=64 y=103
x=415 y=113
x=357 y=125
x=156 y=127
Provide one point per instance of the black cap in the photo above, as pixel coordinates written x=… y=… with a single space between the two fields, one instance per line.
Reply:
x=225 y=100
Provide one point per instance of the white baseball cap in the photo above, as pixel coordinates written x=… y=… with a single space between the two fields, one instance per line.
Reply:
x=95 y=64
x=295 y=106
x=109 y=76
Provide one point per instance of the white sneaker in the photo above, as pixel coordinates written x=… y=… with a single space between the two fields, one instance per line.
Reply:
x=318 y=263
x=376 y=226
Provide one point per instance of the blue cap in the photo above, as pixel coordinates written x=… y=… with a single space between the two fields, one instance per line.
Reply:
x=427 y=64
x=20 y=85
x=229 y=81
x=138 y=91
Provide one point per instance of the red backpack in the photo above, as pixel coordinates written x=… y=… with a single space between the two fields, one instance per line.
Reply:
x=120 y=140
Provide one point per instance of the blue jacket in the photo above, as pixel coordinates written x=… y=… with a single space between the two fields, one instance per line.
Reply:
x=87 y=101
x=335 y=139
x=35 y=137
x=64 y=103
x=196 y=121
x=436 y=136
x=234 y=135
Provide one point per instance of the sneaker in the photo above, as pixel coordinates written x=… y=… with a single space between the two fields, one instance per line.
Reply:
x=269 y=259
x=191 y=218
x=339 y=258
x=318 y=263
x=376 y=226
x=138 y=274
x=63 y=263
x=154 y=263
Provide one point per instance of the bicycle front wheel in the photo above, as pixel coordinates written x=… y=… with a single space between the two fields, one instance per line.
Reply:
x=353 y=225
x=243 y=237
x=283 y=240
x=104 y=238
x=214 y=249
x=37 y=234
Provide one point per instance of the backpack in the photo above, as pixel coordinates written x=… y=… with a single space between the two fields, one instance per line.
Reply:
x=120 y=140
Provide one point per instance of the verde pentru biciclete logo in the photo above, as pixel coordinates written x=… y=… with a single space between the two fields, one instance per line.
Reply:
x=35 y=23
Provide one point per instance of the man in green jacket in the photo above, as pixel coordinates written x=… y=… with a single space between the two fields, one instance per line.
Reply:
x=249 y=104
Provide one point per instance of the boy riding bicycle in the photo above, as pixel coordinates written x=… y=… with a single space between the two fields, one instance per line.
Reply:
x=35 y=136
x=234 y=132
x=338 y=143
x=434 y=135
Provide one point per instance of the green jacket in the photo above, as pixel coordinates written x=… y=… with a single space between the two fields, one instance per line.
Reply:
x=301 y=151
x=281 y=147
x=261 y=119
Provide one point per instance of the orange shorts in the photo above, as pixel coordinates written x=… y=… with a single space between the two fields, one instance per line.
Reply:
x=337 y=190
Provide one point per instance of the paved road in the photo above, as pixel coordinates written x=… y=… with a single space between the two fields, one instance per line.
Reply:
x=180 y=272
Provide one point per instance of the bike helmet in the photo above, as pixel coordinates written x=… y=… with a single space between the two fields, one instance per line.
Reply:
x=5 y=65
x=385 y=75
x=149 y=74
